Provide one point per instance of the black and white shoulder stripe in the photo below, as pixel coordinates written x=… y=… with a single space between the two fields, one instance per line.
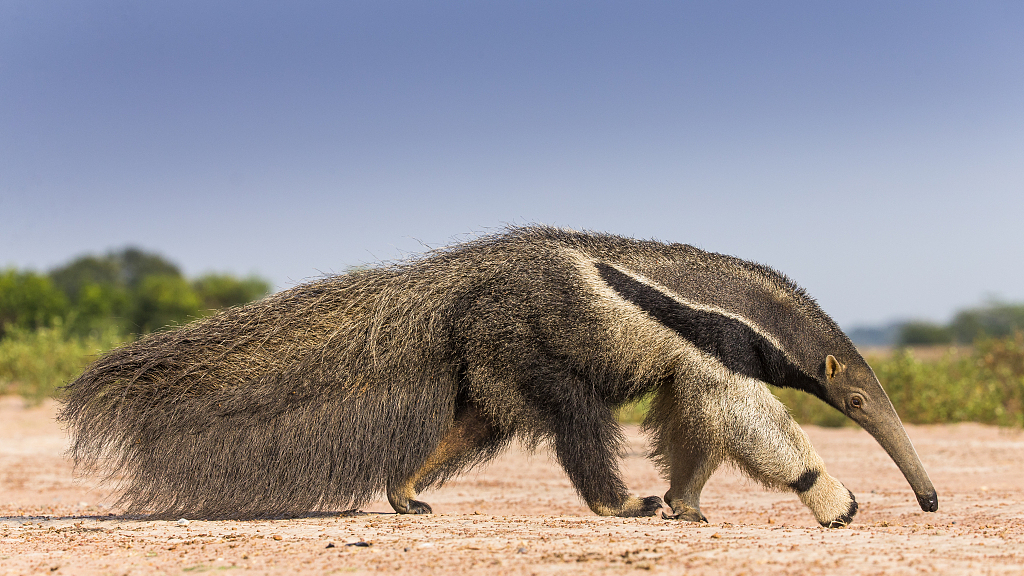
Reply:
x=737 y=343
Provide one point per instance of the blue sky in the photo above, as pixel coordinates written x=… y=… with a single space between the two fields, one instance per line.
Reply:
x=873 y=151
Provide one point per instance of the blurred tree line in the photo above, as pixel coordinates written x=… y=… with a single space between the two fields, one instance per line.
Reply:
x=993 y=320
x=128 y=291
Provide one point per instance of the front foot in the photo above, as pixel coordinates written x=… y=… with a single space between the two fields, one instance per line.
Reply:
x=844 y=519
x=832 y=504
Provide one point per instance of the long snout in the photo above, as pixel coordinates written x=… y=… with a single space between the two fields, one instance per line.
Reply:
x=884 y=424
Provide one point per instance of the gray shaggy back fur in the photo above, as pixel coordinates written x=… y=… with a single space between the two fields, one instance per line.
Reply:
x=318 y=397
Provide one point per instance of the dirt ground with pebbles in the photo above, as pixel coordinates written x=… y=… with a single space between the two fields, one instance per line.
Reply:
x=519 y=515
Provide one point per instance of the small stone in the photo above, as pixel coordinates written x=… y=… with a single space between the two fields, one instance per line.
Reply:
x=330 y=544
x=278 y=537
x=182 y=522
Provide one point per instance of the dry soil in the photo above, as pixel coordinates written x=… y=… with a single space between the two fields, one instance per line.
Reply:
x=519 y=515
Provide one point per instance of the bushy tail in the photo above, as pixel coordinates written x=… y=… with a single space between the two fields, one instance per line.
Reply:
x=198 y=422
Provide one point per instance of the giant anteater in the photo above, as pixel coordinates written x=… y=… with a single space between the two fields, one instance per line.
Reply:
x=394 y=379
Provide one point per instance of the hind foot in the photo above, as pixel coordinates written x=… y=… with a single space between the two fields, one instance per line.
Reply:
x=639 y=507
x=401 y=500
x=412 y=507
x=416 y=507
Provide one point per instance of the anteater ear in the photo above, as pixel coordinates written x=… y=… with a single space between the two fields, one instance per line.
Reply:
x=832 y=366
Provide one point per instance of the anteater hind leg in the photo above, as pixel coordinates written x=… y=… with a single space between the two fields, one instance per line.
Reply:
x=587 y=441
x=762 y=438
x=467 y=434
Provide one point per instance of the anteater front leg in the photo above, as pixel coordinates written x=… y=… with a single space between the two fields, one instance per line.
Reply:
x=691 y=465
x=468 y=433
x=761 y=437
x=684 y=448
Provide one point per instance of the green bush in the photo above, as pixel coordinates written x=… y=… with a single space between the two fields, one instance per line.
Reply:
x=100 y=307
x=923 y=334
x=223 y=290
x=163 y=301
x=53 y=325
x=984 y=386
x=28 y=301
x=634 y=412
x=996 y=319
x=33 y=363
x=125 y=268
x=130 y=290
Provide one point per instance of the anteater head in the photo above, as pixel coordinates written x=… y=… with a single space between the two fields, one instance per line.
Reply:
x=754 y=322
x=853 y=389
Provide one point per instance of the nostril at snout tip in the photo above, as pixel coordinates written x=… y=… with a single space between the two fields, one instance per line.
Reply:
x=928 y=502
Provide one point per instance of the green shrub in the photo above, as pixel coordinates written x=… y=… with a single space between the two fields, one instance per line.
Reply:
x=139 y=292
x=163 y=301
x=923 y=334
x=223 y=290
x=33 y=363
x=100 y=307
x=634 y=412
x=994 y=320
x=808 y=409
x=28 y=300
x=125 y=268
x=53 y=325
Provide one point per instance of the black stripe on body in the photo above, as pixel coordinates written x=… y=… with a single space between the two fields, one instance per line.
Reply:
x=735 y=344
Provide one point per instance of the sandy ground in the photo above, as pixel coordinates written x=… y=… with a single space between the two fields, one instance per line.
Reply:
x=519 y=515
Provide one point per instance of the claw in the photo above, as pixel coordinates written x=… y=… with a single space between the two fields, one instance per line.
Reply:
x=417 y=507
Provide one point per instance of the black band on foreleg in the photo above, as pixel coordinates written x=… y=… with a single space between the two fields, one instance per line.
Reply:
x=805 y=481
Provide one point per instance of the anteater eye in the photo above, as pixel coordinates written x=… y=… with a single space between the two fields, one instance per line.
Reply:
x=856 y=402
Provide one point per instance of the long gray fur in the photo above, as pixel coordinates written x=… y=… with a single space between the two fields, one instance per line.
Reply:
x=393 y=379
